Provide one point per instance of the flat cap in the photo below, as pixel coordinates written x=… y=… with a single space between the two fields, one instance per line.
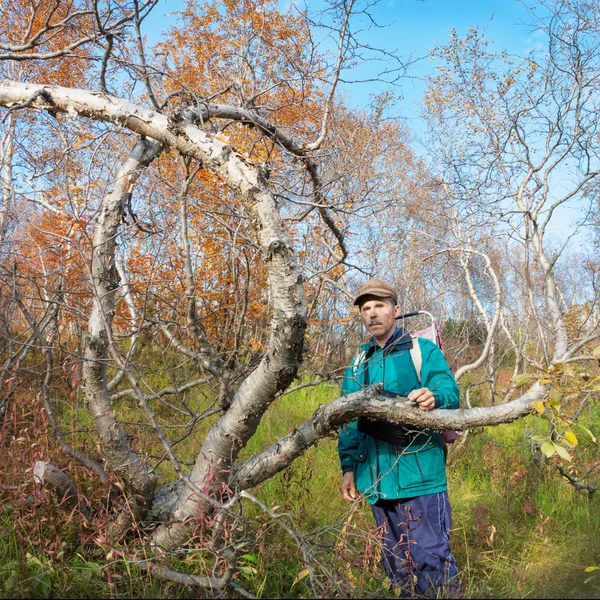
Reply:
x=375 y=287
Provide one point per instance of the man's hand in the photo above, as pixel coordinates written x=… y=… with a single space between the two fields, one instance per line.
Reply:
x=423 y=397
x=347 y=488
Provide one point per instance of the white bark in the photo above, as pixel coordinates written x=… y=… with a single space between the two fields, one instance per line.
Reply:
x=329 y=417
x=127 y=465
x=489 y=325
x=47 y=475
x=561 y=335
x=6 y=176
x=39 y=28
x=280 y=364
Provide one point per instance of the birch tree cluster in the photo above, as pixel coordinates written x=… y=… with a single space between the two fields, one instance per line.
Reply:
x=183 y=225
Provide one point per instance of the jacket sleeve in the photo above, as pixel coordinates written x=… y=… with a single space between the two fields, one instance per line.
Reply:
x=437 y=376
x=348 y=437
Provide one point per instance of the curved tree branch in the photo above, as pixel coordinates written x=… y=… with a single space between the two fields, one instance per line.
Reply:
x=491 y=327
x=209 y=110
x=329 y=417
x=280 y=363
x=136 y=474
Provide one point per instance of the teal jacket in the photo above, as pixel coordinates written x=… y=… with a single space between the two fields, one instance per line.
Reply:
x=383 y=470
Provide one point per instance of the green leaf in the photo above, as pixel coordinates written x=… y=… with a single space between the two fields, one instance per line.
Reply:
x=523 y=378
x=589 y=433
x=562 y=452
x=11 y=581
x=250 y=558
x=590 y=569
x=548 y=448
x=554 y=403
x=555 y=394
x=42 y=583
x=94 y=568
x=86 y=575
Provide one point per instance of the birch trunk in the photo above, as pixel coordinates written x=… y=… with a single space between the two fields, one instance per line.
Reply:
x=137 y=476
x=215 y=462
x=280 y=364
x=6 y=170
x=561 y=335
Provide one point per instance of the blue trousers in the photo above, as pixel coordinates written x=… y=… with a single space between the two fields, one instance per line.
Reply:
x=416 y=545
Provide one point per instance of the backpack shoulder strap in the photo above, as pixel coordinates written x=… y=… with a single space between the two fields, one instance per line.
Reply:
x=417 y=357
x=358 y=360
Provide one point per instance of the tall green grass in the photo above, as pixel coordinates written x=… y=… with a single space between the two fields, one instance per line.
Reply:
x=519 y=530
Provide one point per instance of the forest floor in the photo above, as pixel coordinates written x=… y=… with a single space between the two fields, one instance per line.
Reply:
x=519 y=529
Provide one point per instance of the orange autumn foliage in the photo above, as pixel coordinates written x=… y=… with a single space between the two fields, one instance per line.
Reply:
x=44 y=28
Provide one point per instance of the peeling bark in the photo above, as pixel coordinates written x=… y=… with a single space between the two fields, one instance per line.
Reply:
x=329 y=417
x=6 y=177
x=280 y=364
x=490 y=325
x=139 y=479
x=212 y=472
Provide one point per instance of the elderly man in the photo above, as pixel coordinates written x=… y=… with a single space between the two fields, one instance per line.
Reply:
x=401 y=469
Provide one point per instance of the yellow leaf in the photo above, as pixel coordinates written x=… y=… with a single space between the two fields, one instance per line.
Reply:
x=590 y=569
x=570 y=436
x=539 y=406
x=222 y=137
x=300 y=576
x=596 y=353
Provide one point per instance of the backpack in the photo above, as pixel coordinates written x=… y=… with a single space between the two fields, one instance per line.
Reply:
x=402 y=435
x=434 y=334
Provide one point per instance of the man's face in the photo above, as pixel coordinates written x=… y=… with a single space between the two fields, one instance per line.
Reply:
x=379 y=316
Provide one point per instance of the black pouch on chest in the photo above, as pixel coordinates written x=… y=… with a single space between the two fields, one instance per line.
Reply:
x=393 y=433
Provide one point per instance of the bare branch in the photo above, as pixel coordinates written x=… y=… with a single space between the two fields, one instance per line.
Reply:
x=329 y=417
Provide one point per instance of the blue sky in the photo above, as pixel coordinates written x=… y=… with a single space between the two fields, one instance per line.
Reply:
x=413 y=28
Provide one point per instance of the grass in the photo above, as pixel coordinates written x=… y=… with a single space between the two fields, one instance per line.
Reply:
x=519 y=530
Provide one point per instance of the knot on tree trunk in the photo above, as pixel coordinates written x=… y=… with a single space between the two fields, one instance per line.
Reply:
x=276 y=247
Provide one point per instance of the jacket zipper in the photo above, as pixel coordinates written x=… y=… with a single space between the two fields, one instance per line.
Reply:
x=375 y=474
x=419 y=466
